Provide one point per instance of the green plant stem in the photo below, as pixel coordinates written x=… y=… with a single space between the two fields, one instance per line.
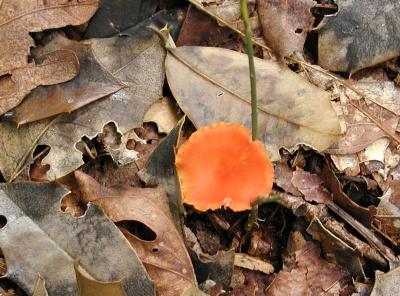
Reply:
x=253 y=79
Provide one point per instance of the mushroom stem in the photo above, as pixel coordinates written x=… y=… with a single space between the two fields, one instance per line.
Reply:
x=253 y=79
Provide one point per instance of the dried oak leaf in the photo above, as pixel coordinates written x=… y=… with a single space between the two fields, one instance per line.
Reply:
x=310 y=275
x=51 y=68
x=359 y=36
x=136 y=61
x=215 y=87
x=93 y=82
x=40 y=238
x=285 y=24
x=18 y=18
x=164 y=256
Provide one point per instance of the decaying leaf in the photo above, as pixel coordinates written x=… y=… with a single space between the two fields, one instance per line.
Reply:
x=19 y=18
x=285 y=24
x=115 y=16
x=160 y=171
x=310 y=275
x=163 y=253
x=252 y=263
x=310 y=185
x=215 y=87
x=359 y=36
x=87 y=286
x=138 y=62
x=387 y=284
x=335 y=249
x=283 y=175
x=51 y=68
x=92 y=83
x=39 y=238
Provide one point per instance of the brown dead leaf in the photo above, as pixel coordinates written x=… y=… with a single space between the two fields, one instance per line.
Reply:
x=311 y=275
x=285 y=24
x=135 y=60
x=93 y=82
x=163 y=253
x=18 y=18
x=51 y=68
x=310 y=185
x=283 y=175
x=215 y=87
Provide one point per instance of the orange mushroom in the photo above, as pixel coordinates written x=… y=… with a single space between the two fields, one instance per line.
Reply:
x=219 y=165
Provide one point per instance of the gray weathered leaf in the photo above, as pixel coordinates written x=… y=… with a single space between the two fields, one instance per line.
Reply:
x=360 y=35
x=291 y=110
x=39 y=238
x=137 y=62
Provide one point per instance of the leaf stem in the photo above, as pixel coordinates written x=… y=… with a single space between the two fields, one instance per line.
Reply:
x=253 y=78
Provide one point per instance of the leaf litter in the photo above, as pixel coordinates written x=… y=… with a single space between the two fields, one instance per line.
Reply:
x=102 y=106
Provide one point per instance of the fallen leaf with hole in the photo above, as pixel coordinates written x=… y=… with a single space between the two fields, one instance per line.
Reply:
x=215 y=87
x=93 y=82
x=18 y=19
x=164 y=113
x=160 y=171
x=40 y=238
x=157 y=242
x=359 y=36
x=49 y=69
x=285 y=24
x=136 y=61
x=87 y=286
x=221 y=166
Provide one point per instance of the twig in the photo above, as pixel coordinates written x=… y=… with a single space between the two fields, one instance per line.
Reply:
x=252 y=69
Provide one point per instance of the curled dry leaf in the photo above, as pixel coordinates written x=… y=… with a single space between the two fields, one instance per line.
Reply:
x=233 y=172
x=51 y=68
x=283 y=175
x=164 y=113
x=359 y=36
x=40 y=238
x=92 y=83
x=164 y=256
x=88 y=286
x=136 y=61
x=212 y=84
x=18 y=18
x=285 y=24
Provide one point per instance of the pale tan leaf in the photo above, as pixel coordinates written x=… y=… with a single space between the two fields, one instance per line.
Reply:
x=291 y=110
x=88 y=286
x=164 y=114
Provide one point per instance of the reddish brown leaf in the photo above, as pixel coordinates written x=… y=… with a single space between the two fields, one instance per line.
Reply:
x=164 y=256
x=18 y=18
x=285 y=24
x=310 y=185
x=51 y=68
x=92 y=83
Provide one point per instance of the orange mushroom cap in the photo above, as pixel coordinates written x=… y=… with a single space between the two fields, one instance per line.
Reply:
x=221 y=166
